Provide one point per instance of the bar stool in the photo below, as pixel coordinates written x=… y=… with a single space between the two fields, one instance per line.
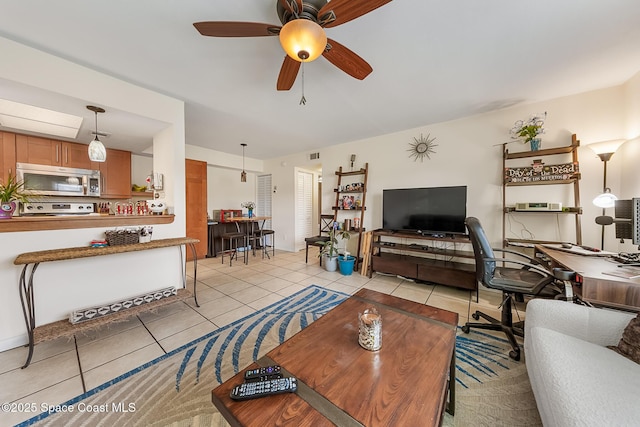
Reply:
x=261 y=236
x=233 y=238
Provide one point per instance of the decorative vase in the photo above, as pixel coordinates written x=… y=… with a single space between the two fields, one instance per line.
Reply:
x=7 y=209
x=330 y=263
x=250 y=213
x=535 y=144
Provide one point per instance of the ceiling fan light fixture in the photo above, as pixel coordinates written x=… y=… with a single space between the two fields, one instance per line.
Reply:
x=97 y=152
x=303 y=40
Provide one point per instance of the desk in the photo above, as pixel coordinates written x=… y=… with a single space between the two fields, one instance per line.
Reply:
x=64 y=327
x=596 y=287
x=249 y=229
x=405 y=383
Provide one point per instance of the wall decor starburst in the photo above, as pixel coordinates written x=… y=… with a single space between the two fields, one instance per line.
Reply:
x=422 y=147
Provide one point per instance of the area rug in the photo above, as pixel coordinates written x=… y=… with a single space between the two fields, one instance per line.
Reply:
x=175 y=389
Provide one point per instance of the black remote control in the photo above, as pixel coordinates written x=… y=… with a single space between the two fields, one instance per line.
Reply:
x=258 y=389
x=263 y=374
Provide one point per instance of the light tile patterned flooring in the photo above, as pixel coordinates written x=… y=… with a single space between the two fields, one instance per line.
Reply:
x=62 y=369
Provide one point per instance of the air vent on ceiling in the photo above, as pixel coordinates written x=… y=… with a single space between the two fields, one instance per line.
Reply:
x=314 y=156
x=99 y=133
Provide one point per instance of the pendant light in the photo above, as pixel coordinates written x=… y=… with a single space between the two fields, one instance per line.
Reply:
x=243 y=175
x=97 y=152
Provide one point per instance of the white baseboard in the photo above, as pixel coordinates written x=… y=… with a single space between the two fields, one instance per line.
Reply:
x=14 y=342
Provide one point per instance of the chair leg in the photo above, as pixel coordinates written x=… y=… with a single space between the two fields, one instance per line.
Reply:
x=306 y=255
x=504 y=325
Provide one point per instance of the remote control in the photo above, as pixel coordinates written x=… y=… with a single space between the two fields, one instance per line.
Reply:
x=263 y=374
x=258 y=389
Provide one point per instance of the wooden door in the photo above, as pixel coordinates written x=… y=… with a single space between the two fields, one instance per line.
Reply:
x=196 y=209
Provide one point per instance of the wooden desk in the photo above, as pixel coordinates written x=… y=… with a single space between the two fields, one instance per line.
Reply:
x=594 y=286
x=405 y=383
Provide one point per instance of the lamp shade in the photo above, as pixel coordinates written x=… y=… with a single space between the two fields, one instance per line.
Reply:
x=605 y=200
x=606 y=147
x=97 y=152
x=303 y=40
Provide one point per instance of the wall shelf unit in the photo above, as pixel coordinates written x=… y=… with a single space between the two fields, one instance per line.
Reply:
x=566 y=174
x=352 y=197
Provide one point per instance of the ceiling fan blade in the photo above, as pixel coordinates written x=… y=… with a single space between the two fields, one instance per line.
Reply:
x=293 y=6
x=346 y=60
x=236 y=29
x=346 y=10
x=288 y=73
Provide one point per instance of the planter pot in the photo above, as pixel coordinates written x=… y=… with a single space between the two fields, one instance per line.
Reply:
x=346 y=264
x=7 y=209
x=330 y=263
x=535 y=144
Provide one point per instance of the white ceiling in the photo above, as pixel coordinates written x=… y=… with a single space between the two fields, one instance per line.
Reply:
x=432 y=61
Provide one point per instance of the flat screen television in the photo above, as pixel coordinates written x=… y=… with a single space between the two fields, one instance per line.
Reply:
x=434 y=210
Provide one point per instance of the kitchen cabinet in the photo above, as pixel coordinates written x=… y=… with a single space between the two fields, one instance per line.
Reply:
x=51 y=152
x=115 y=174
x=7 y=155
x=36 y=150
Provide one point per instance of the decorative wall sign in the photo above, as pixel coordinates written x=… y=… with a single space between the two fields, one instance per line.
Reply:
x=539 y=172
x=421 y=147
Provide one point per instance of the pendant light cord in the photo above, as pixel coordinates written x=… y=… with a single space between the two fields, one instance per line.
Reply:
x=303 y=100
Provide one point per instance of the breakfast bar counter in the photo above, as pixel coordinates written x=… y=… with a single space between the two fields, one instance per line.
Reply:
x=66 y=222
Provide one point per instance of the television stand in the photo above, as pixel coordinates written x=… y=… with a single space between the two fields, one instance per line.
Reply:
x=424 y=262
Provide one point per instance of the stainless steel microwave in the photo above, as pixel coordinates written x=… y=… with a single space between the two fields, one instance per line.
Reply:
x=58 y=181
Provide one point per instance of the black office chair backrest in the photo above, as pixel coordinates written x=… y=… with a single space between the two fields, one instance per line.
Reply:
x=482 y=250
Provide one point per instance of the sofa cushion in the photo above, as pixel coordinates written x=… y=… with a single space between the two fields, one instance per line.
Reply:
x=629 y=345
x=581 y=383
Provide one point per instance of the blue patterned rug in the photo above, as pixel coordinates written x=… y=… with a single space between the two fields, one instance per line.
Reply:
x=174 y=389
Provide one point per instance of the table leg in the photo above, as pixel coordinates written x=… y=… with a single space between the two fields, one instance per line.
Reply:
x=451 y=405
x=195 y=273
x=28 y=306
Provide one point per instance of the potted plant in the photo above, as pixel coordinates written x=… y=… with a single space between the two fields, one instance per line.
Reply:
x=329 y=250
x=529 y=130
x=250 y=207
x=11 y=192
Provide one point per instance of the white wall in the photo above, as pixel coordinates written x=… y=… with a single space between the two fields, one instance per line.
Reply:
x=469 y=153
x=63 y=286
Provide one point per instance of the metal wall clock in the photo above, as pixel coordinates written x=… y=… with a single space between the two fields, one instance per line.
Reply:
x=422 y=147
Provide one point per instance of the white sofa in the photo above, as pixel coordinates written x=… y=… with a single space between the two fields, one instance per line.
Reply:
x=576 y=379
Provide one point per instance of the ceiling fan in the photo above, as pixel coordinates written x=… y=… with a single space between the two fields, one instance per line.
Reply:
x=302 y=34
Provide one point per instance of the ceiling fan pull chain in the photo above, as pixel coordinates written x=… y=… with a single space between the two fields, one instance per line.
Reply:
x=303 y=100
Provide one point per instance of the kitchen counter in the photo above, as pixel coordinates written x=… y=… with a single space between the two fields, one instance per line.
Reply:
x=64 y=222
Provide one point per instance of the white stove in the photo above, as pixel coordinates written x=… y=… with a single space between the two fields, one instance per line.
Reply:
x=56 y=208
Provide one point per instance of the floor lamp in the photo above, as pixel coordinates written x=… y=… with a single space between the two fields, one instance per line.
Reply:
x=606 y=199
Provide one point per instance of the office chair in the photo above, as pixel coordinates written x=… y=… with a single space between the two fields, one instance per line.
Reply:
x=326 y=223
x=529 y=279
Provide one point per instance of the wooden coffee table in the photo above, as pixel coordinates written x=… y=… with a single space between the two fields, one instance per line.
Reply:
x=405 y=383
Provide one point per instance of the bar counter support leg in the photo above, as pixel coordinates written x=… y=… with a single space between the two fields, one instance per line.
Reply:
x=28 y=306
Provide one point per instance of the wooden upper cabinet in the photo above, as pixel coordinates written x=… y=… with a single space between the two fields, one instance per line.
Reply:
x=7 y=155
x=115 y=174
x=76 y=156
x=39 y=151
x=43 y=151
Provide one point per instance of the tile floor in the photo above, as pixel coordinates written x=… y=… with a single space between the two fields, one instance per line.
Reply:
x=62 y=369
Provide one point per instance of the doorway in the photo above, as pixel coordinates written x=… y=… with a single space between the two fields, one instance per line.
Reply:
x=304 y=208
